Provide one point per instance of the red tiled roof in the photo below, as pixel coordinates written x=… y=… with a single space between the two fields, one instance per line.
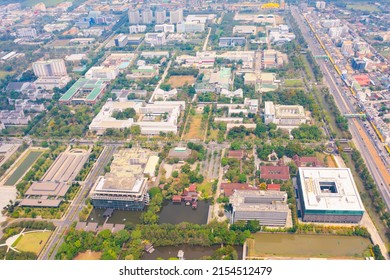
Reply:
x=192 y=188
x=176 y=198
x=273 y=187
x=275 y=172
x=303 y=161
x=363 y=80
x=229 y=188
x=236 y=154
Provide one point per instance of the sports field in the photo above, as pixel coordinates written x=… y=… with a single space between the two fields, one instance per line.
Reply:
x=32 y=242
x=179 y=81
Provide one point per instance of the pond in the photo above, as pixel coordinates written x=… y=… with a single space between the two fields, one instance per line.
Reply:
x=174 y=213
x=296 y=245
x=190 y=252
x=118 y=217
x=171 y=213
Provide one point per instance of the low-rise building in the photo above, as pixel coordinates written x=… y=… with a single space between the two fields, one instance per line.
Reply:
x=160 y=116
x=160 y=94
x=156 y=39
x=86 y=91
x=289 y=116
x=102 y=72
x=232 y=41
x=164 y=28
x=274 y=172
x=134 y=29
x=267 y=207
x=245 y=29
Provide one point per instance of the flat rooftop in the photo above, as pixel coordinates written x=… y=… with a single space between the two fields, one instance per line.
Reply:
x=93 y=85
x=329 y=189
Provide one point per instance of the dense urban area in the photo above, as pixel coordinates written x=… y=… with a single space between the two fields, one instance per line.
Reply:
x=219 y=129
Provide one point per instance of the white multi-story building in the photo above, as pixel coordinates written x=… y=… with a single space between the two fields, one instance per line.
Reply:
x=49 y=68
x=101 y=72
x=190 y=27
x=284 y=115
x=137 y=29
x=320 y=5
x=134 y=17
x=161 y=16
x=160 y=116
x=164 y=28
x=157 y=39
x=176 y=16
x=29 y=33
x=147 y=16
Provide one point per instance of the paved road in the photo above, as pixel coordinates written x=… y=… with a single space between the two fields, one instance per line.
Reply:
x=359 y=134
x=77 y=205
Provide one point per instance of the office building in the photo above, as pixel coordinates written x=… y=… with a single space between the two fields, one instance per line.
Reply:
x=320 y=5
x=190 y=27
x=328 y=195
x=121 y=40
x=156 y=39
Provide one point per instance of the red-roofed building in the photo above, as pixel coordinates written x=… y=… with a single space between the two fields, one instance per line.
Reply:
x=192 y=188
x=363 y=80
x=176 y=198
x=306 y=161
x=236 y=154
x=229 y=188
x=275 y=172
x=273 y=187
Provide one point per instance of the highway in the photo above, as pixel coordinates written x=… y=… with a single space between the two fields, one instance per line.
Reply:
x=359 y=134
x=51 y=248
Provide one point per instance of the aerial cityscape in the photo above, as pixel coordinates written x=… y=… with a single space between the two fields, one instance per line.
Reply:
x=194 y=130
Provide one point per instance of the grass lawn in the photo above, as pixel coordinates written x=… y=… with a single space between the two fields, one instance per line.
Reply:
x=196 y=131
x=213 y=135
x=293 y=83
x=3 y=74
x=206 y=189
x=48 y=3
x=179 y=81
x=32 y=242
x=89 y=256
x=363 y=7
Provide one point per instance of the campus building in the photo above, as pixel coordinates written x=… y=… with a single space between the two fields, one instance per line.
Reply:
x=328 y=195
x=289 y=116
x=267 y=207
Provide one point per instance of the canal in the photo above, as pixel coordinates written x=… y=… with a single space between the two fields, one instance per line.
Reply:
x=23 y=167
x=190 y=252
x=310 y=246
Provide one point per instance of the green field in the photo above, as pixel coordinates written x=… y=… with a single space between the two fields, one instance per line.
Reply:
x=363 y=7
x=48 y=3
x=23 y=166
x=293 y=83
x=32 y=242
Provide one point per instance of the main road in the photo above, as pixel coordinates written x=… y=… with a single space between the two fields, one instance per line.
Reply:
x=77 y=205
x=359 y=134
